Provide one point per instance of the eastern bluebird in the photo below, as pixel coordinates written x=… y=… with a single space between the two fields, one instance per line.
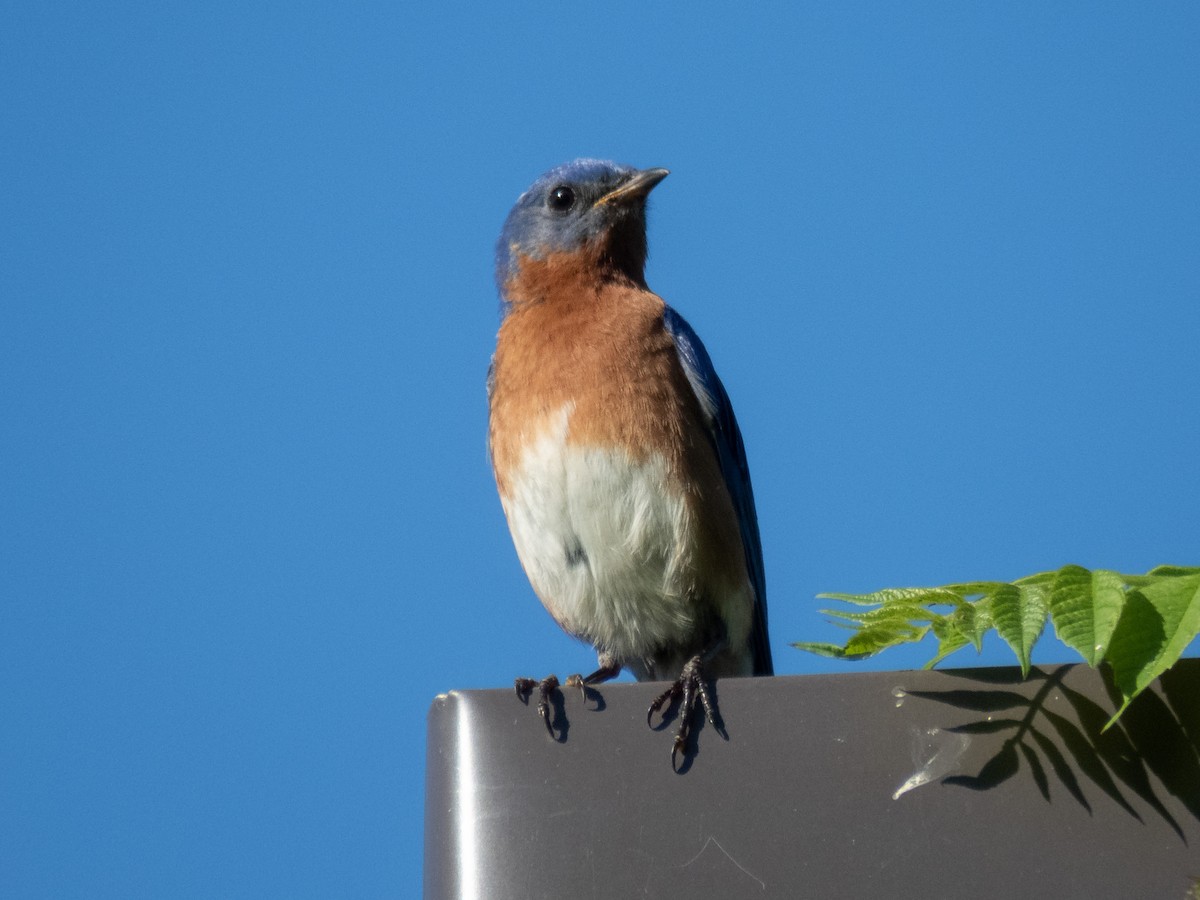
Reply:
x=619 y=462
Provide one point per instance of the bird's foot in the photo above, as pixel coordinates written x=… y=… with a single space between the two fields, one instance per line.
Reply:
x=550 y=709
x=545 y=688
x=690 y=685
x=577 y=681
x=609 y=668
x=586 y=691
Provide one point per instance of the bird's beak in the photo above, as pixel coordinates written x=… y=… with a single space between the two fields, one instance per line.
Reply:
x=638 y=186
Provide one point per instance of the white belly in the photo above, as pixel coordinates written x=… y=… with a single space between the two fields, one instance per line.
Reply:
x=606 y=543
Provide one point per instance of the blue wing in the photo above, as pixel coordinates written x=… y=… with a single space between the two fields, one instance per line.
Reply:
x=727 y=440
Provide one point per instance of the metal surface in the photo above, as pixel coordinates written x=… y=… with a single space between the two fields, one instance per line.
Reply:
x=906 y=784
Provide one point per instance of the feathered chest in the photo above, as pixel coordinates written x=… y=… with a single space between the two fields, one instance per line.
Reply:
x=608 y=360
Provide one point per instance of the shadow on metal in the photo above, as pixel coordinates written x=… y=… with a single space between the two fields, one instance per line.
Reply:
x=1149 y=737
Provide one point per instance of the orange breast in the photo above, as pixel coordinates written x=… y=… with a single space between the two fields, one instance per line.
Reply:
x=603 y=349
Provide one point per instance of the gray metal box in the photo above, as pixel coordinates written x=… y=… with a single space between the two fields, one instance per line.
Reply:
x=954 y=784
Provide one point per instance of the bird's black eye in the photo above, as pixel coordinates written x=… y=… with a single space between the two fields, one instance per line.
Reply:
x=561 y=198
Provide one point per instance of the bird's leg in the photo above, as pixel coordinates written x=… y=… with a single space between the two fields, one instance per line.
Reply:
x=545 y=687
x=608 y=668
x=691 y=685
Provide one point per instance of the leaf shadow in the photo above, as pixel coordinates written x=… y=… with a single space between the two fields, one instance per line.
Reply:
x=1156 y=735
x=1173 y=754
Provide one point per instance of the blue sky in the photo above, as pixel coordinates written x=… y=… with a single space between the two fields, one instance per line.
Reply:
x=945 y=256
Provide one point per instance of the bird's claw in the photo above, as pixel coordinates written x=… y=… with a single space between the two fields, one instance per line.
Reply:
x=666 y=698
x=577 y=681
x=690 y=686
x=545 y=687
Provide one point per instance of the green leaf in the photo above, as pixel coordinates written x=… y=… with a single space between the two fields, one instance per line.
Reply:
x=1140 y=624
x=1163 y=571
x=946 y=646
x=870 y=641
x=896 y=595
x=833 y=651
x=1019 y=612
x=974 y=588
x=1137 y=639
x=1156 y=626
x=981 y=621
x=1085 y=607
x=890 y=613
x=1046 y=578
x=972 y=620
x=953 y=632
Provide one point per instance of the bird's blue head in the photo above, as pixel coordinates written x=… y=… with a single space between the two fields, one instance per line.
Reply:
x=587 y=203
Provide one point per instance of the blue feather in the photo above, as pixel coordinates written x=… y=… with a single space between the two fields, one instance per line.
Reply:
x=731 y=452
